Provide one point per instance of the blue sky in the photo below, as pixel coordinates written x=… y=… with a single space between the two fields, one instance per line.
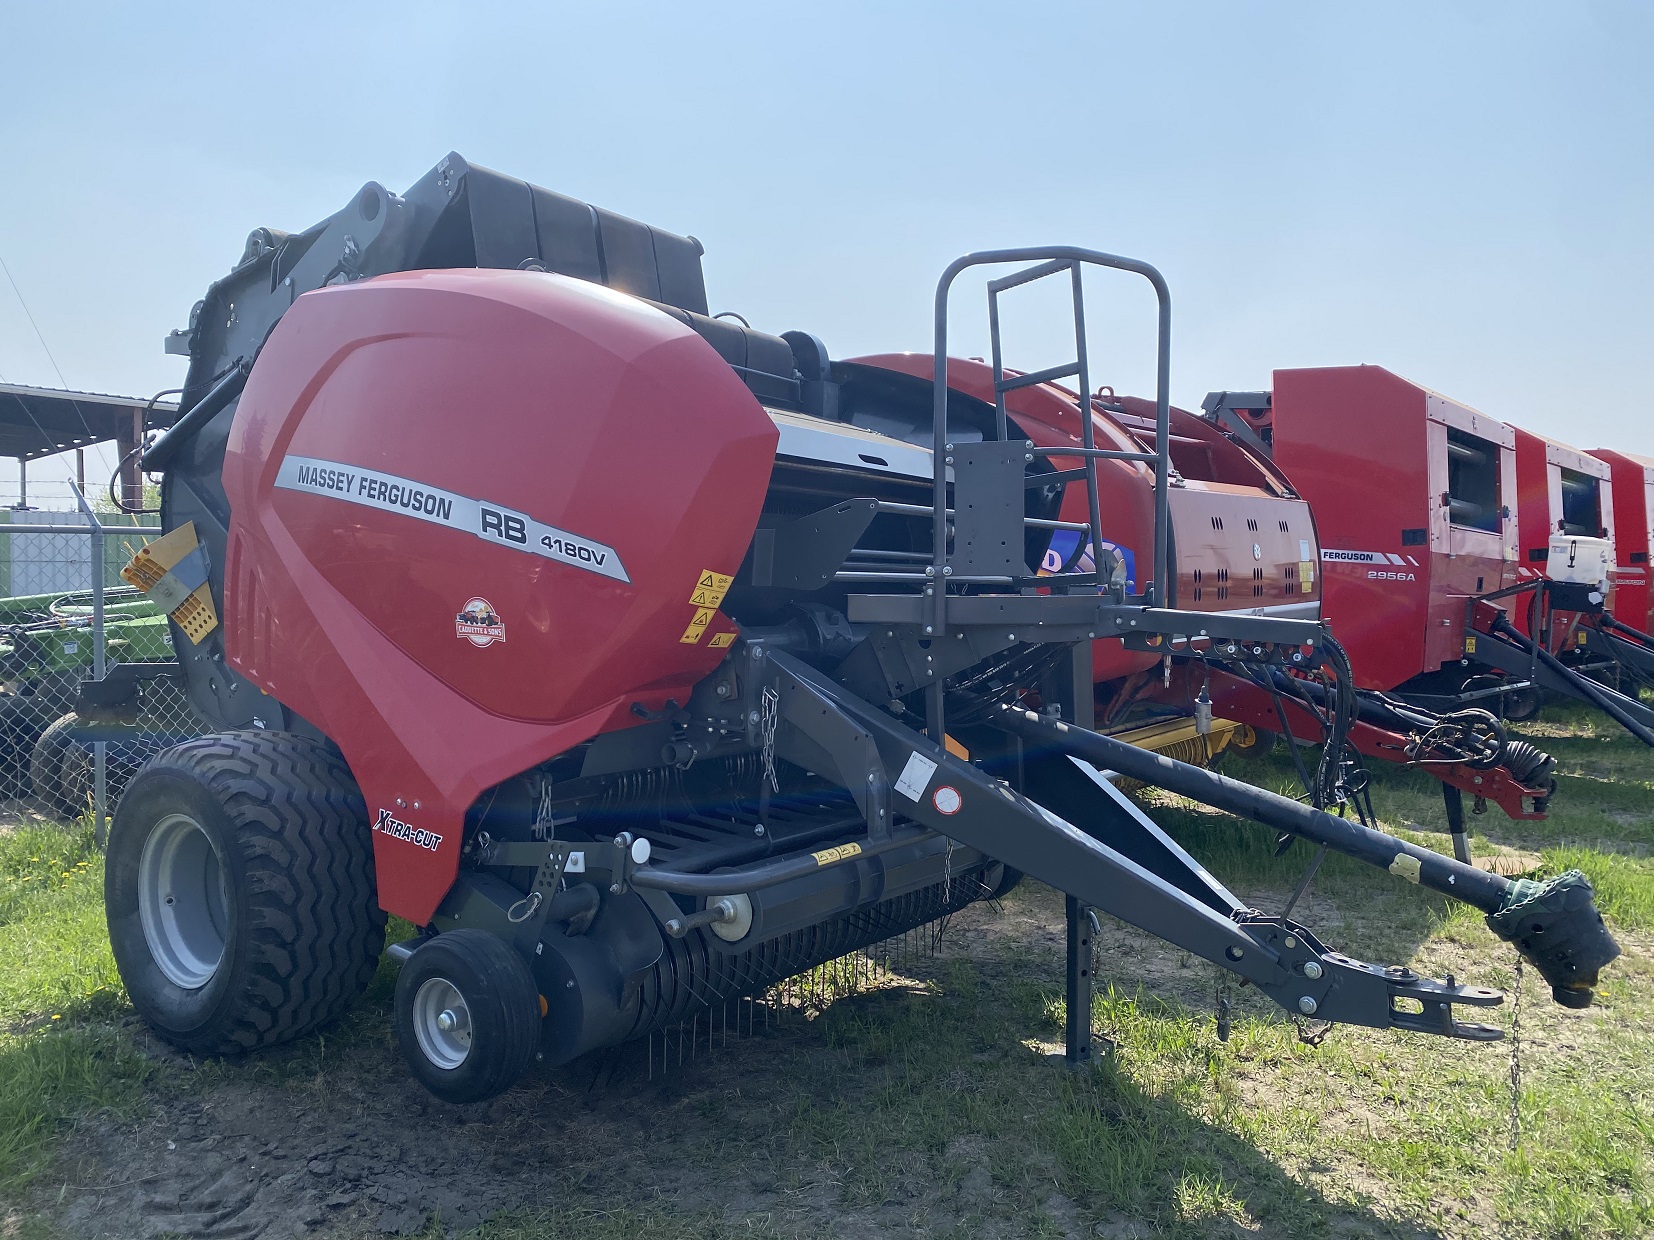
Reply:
x=1462 y=192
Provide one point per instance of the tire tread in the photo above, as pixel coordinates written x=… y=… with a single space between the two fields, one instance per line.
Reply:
x=311 y=917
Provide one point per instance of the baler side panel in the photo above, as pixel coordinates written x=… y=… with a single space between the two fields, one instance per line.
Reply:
x=1539 y=465
x=1533 y=504
x=1464 y=561
x=1353 y=442
x=582 y=419
x=1632 y=485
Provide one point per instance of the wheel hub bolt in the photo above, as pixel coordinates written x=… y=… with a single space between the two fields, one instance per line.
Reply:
x=446 y=1021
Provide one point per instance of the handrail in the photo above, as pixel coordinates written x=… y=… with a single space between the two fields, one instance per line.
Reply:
x=1049 y=260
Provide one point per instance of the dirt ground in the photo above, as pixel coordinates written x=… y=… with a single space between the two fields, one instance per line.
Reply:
x=926 y=1098
x=333 y=1139
x=355 y=1147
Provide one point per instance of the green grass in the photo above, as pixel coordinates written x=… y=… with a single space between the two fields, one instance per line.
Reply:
x=61 y=1056
x=932 y=1104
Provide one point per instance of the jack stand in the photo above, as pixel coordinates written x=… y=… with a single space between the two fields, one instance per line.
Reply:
x=1455 y=822
x=1080 y=1053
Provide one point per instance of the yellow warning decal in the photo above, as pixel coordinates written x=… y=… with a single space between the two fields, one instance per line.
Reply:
x=1306 y=575
x=955 y=748
x=1470 y=645
x=827 y=856
x=720 y=640
x=1579 y=638
x=151 y=565
x=710 y=588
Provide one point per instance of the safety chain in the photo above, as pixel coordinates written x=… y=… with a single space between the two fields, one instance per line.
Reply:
x=769 y=713
x=1516 y=1062
x=1312 y=1032
x=544 y=827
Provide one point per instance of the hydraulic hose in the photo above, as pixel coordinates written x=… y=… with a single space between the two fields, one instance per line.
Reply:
x=1599 y=697
x=161 y=452
x=1618 y=626
x=1487 y=891
x=1554 y=924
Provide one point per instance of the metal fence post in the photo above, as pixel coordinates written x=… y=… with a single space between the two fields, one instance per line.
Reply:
x=100 y=749
x=59 y=632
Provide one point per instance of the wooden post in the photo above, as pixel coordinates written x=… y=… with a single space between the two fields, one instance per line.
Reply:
x=127 y=440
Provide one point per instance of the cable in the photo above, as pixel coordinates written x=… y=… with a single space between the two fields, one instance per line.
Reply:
x=1003 y=679
x=37 y=333
x=91 y=435
x=114 y=499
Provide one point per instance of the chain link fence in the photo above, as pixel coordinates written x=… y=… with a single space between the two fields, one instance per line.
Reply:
x=67 y=617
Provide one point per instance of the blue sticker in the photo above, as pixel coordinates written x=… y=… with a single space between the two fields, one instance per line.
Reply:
x=1062 y=547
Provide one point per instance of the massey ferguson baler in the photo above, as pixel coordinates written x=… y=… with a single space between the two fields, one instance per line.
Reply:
x=642 y=659
x=1569 y=531
x=1439 y=562
x=1632 y=482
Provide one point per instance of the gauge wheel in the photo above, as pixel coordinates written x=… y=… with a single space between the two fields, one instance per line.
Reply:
x=468 y=1015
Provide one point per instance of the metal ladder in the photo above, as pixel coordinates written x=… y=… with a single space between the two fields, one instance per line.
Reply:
x=984 y=460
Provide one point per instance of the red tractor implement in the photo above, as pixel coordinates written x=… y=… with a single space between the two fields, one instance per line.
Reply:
x=1244 y=544
x=1620 y=639
x=1569 y=532
x=1418 y=501
x=642 y=659
x=1563 y=504
x=1631 y=479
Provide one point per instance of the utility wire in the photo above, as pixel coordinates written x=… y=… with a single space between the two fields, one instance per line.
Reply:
x=37 y=333
x=47 y=440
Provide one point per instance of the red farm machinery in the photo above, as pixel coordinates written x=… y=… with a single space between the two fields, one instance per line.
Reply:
x=642 y=659
x=1617 y=644
x=1468 y=563
x=1632 y=484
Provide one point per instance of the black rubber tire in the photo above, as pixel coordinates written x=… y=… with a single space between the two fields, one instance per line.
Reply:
x=46 y=767
x=303 y=929
x=1523 y=705
x=505 y=1010
x=1262 y=745
x=22 y=720
x=1008 y=880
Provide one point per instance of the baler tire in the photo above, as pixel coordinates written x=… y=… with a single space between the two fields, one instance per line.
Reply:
x=295 y=922
x=1261 y=746
x=1523 y=705
x=486 y=979
x=1008 y=880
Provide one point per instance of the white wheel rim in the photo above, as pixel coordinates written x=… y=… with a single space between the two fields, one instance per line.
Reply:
x=183 y=901
x=442 y=1023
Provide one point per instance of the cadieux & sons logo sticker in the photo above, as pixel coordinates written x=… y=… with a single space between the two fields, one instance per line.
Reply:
x=478 y=624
